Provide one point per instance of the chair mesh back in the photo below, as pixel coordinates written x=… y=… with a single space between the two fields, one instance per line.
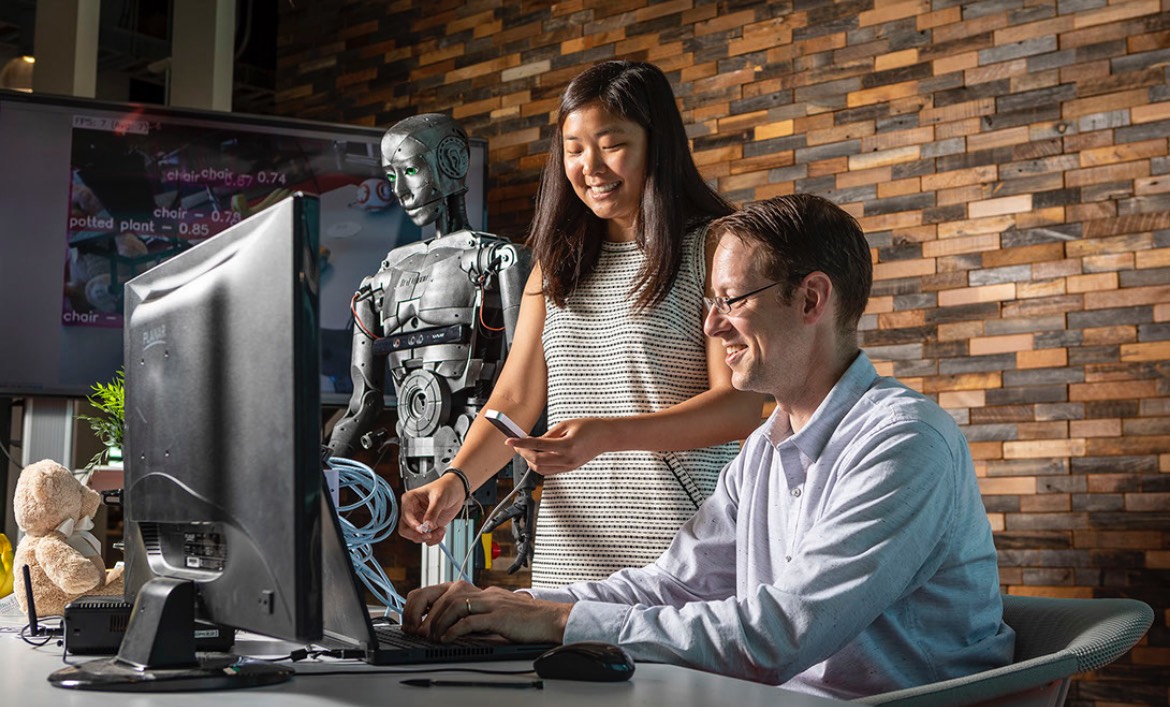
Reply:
x=1095 y=631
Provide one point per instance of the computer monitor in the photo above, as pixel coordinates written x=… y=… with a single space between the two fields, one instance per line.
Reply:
x=222 y=454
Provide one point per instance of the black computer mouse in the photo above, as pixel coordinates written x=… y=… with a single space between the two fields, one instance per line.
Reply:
x=586 y=660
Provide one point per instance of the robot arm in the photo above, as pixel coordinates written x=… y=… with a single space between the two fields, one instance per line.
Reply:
x=368 y=372
x=515 y=263
x=512 y=264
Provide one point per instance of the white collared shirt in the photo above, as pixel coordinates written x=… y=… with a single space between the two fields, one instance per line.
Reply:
x=849 y=559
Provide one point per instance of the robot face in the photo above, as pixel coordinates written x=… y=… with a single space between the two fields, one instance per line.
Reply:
x=426 y=158
x=415 y=181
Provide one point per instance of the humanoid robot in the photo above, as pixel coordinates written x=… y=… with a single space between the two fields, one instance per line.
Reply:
x=440 y=315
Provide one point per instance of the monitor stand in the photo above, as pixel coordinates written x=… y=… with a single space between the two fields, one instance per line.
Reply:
x=158 y=652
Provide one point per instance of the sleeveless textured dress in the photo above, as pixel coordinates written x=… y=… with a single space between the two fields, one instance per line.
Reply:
x=606 y=359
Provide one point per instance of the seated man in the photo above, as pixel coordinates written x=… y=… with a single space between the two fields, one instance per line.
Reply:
x=846 y=550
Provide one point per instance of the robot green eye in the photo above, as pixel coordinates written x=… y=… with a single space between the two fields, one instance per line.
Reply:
x=411 y=171
x=390 y=177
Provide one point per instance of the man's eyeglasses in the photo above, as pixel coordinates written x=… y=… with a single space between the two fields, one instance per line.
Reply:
x=724 y=305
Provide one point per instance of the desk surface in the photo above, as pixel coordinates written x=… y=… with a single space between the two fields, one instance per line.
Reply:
x=23 y=672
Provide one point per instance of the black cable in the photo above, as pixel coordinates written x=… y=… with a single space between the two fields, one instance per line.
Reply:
x=65 y=658
x=4 y=448
x=33 y=643
x=416 y=670
x=314 y=653
x=45 y=633
x=347 y=654
x=247 y=32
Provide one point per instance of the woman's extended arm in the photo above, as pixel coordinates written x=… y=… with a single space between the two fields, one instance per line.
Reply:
x=717 y=415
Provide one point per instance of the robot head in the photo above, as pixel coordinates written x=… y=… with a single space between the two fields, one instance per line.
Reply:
x=426 y=159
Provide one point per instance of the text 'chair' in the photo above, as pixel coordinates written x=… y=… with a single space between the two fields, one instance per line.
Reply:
x=1055 y=639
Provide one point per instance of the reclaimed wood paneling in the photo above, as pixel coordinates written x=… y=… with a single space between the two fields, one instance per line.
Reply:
x=1009 y=160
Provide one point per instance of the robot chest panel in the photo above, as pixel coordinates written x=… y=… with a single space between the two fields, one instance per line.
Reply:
x=431 y=289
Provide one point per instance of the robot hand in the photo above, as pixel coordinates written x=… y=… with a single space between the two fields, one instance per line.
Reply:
x=522 y=513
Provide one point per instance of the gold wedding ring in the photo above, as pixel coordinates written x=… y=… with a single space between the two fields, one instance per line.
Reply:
x=468 y=602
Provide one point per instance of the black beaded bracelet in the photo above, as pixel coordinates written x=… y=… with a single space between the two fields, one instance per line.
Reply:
x=462 y=477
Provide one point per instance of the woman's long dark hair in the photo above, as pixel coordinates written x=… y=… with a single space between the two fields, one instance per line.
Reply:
x=566 y=237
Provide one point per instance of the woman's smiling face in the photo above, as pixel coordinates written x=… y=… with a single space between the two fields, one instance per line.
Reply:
x=605 y=161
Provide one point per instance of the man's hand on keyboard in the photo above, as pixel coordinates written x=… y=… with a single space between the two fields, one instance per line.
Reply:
x=446 y=611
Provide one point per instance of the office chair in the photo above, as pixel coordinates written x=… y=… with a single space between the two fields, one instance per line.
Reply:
x=1055 y=639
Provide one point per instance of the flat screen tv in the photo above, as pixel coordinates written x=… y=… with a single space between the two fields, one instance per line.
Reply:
x=93 y=193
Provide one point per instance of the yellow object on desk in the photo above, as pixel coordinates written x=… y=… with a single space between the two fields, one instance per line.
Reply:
x=7 y=568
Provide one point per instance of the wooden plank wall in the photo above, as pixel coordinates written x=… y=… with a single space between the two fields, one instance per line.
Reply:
x=1008 y=160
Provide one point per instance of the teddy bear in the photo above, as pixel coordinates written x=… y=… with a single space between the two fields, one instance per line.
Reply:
x=55 y=511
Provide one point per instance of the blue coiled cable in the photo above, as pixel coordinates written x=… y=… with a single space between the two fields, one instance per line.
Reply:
x=375 y=495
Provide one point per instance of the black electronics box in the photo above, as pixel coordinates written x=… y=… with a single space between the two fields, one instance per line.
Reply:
x=96 y=625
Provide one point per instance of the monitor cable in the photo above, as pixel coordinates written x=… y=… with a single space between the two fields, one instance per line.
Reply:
x=4 y=448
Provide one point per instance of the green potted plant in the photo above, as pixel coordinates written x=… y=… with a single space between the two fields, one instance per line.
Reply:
x=109 y=400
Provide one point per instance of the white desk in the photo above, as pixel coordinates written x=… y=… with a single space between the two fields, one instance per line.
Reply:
x=23 y=672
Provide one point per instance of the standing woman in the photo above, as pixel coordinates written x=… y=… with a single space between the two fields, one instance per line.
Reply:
x=640 y=403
